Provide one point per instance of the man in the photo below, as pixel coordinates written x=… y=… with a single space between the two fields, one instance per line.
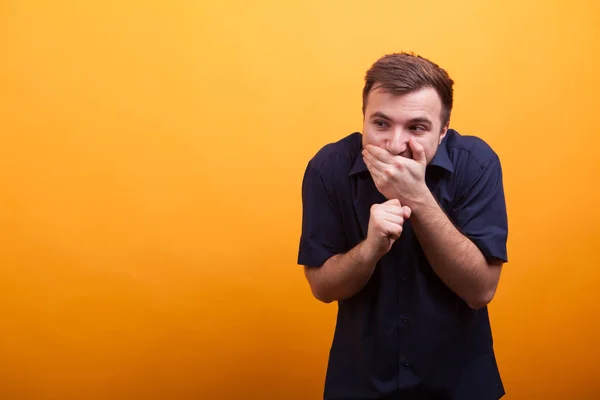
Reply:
x=405 y=226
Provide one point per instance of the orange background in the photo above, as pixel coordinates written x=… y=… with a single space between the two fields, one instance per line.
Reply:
x=151 y=156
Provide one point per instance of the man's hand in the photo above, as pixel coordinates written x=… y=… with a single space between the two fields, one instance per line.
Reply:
x=344 y=275
x=385 y=225
x=398 y=177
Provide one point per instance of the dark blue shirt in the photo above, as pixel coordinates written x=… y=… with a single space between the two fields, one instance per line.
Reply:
x=406 y=335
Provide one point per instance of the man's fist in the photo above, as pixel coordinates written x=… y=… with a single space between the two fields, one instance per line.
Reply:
x=385 y=225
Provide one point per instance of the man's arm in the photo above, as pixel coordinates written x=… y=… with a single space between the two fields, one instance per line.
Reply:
x=462 y=259
x=344 y=275
x=455 y=259
x=333 y=271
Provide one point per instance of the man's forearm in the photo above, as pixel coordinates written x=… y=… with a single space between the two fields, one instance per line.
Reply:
x=453 y=256
x=343 y=275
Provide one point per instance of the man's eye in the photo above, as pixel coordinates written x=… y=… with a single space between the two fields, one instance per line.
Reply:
x=418 y=128
x=381 y=124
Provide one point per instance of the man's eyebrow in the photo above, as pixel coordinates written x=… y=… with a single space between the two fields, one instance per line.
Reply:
x=379 y=114
x=423 y=120
x=417 y=120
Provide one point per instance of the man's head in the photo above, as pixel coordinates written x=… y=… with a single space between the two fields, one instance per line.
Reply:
x=406 y=96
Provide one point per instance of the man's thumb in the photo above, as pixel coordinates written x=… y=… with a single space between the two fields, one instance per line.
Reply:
x=418 y=151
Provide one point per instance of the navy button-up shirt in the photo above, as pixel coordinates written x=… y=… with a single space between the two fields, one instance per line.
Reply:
x=406 y=335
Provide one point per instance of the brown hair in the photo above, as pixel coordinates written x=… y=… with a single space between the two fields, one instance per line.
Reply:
x=401 y=73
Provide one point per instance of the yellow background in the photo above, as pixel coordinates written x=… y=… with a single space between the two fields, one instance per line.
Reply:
x=151 y=156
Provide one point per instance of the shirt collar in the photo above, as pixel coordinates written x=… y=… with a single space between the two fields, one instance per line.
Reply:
x=440 y=159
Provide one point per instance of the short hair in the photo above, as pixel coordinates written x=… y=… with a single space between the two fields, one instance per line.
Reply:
x=401 y=73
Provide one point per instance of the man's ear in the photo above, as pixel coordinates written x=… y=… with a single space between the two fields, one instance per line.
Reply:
x=444 y=131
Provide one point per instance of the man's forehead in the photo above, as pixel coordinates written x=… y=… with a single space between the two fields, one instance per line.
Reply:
x=426 y=101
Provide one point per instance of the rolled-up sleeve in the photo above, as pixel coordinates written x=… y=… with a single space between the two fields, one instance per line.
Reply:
x=480 y=211
x=322 y=229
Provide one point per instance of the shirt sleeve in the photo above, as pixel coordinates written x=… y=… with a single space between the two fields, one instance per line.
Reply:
x=480 y=211
x=322 y=229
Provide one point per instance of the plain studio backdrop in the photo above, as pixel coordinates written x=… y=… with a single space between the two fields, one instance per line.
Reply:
x=151 y=157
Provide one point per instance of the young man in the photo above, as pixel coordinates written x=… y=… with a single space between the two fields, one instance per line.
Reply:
x=405 y=226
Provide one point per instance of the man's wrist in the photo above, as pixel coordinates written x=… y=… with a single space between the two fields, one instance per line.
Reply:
x=368 y=252
x=422 y=203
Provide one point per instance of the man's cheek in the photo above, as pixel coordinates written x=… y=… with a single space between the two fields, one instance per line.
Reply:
x=369 y=140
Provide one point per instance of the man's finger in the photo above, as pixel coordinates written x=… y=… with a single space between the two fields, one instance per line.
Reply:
x=393 y=230
x=407 y=212
x=373 y=161
x=394 y=218
x=418 y=151
x=379 y=153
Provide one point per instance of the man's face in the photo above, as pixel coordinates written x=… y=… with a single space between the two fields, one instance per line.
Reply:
x=391 y=120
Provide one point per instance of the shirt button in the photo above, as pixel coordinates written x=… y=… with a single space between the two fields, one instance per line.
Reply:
x=403 y=279
x=406 y=363
x=405 y=320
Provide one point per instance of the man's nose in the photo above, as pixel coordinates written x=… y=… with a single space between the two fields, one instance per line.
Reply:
x=398 y=142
